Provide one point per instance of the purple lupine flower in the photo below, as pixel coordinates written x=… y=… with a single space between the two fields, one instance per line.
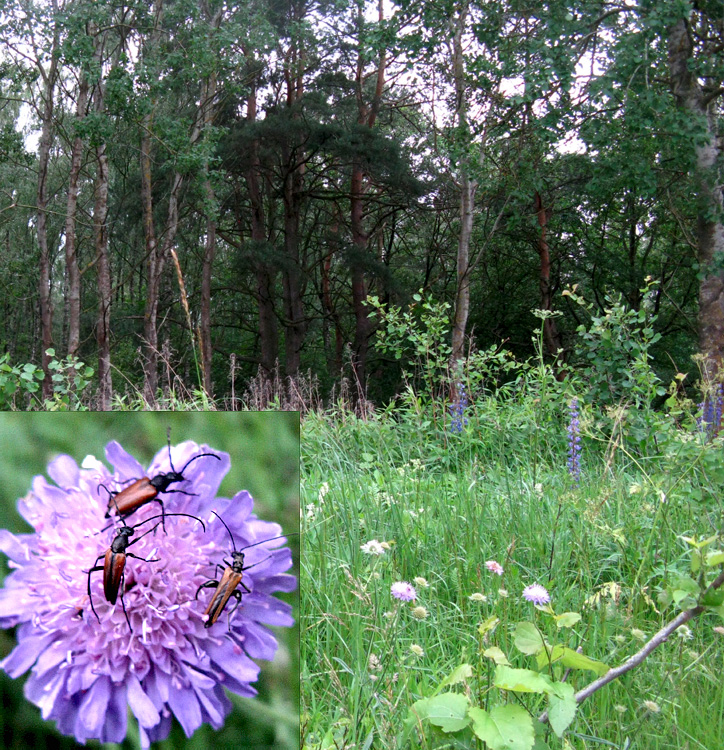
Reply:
x=537 y=594
x=84 y=673
x=403 y=591
x=574 y=441
x=457 y=410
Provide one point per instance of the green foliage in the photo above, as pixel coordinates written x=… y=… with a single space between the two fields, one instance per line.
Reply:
x=15 y=380
x=70 y=377
x=616 y=344
x=418 y=337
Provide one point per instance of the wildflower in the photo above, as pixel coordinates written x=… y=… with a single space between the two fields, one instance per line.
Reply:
x=684 y=632
x=323 y=490
x=651 y=706
x=478 y=597
x=538 y=488
x=403 y=591
x=620 y=709
x=419 y=613
x=170 y=664
x=421 y=582
x=494 y=567
x=417 y=650
x=373 y=547
x=457 y=410
x=537 y=594
x=718 y=629
x=574 y=441
x=639 y=635
x=503 y=593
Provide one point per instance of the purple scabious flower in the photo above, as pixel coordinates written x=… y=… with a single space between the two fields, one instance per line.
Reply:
x=574 y=441
x=457 y=410
x=403 y=591
x=537 y=594
x=84 y=673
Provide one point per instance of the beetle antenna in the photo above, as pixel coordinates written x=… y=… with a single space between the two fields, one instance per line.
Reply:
x=162 y=515
x=168 y=440
x=270 y=539
x=227 y=528
x=201 y=455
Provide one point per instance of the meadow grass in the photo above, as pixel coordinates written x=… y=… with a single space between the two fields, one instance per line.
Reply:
x=446 y=503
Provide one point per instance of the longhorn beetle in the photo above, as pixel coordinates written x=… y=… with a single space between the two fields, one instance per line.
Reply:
x=114 y=564
x=144 y=490
x=230 y=580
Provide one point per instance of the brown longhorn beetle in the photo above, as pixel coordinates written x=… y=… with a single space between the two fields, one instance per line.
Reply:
x=114 y=564
x=145 y=490
x=230 y=579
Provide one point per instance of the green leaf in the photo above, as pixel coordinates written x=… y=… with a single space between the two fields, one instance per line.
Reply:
x=459 y=674
x=447 y=711
x=562 y=707
x=715 y=557
x=527 y=639
x=574 y=660
x=488 y=625
x=567 y=619
x=496 y=655
x=521 y=680
x=504 y=727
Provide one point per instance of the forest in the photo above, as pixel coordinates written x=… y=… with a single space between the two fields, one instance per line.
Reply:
x=203 y=193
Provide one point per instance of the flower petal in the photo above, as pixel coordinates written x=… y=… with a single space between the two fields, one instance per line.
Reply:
x=14 y=547
x=92 y=711
x=185 y=706
x=141 y=705
x=63 y=470
x=26 y=653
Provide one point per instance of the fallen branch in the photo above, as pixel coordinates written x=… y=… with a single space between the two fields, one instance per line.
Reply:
x=654 y=642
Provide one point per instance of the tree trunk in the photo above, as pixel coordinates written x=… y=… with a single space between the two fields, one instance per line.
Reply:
x=265 y=272
x=71 y=256
x=468 y=187
x=103 y=327
x=209 y=252
x=292 y=274
x=367 y=116
x=703 y=108
x=150 y=363
x=551 y=336
x=46 y=308
x=100 y=236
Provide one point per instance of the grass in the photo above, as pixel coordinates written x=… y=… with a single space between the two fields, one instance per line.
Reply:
x=445 y=504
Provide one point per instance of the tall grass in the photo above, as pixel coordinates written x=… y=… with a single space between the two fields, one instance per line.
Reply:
x=445 y=503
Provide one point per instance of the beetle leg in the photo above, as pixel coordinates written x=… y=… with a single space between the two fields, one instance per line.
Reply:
x=207 y=585
x=123 y=601
x=150 y=559
x=190 y=494
x=90 y=596
x=237 y=595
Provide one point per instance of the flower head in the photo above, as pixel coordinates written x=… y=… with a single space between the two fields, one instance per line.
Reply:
x=86 y=671
x=419 y=613
x=403 y=591
x=494 y=567
x=457 y=409
x=537 y=594
x=574 y=441
x=373 y=547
